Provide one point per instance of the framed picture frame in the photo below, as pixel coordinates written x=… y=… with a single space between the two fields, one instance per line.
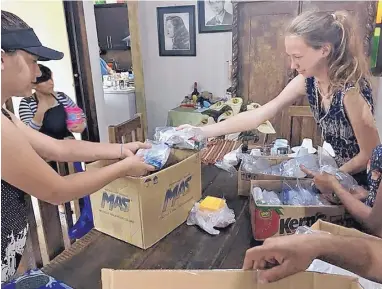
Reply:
x=215 y=16
x=176 y=30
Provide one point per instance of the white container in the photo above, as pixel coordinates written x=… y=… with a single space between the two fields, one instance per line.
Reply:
x=120 y=105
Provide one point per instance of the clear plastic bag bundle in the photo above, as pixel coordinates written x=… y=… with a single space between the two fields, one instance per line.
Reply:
x=209 y=220
x=346 y=180
x=254 y=164
x=291 y=168
x=297 y=195
x=187 y=138
x=157 y=155
x=263 y=197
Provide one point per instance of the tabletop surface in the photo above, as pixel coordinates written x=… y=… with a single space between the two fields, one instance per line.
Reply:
x=187 y=247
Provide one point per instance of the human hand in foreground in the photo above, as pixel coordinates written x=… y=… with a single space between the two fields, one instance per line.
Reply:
x=130 y=149
x=280 y=257
x=135 y=166
x=325 y=182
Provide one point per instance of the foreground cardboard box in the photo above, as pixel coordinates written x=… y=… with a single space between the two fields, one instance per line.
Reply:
x=339 y=230
x=218 y=279
x=244 y=178
x=268 y=221
x=141 y=211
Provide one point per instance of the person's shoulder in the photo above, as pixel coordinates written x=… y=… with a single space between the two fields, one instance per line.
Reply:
x=27 y=100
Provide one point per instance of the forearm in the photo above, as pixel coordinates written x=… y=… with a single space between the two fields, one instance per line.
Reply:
x=355 y=207
x=244 y=121
x=356 y=164
x=81 y=184
x=76 y=150
x=361 y=256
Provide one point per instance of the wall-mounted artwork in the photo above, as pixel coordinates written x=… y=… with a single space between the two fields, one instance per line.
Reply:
x=176 y=31
x=215 y=16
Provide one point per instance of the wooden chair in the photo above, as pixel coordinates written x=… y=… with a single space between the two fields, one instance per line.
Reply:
x=47 y=233
x=128 y=131
x=297 y=124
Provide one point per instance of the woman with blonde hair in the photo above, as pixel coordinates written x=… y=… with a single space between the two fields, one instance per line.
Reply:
x=326 y=50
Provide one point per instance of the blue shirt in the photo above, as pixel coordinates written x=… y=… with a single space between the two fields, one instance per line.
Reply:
x=103 y=64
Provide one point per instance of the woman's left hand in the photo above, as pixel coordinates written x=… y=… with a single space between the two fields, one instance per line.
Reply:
x=324 y=182
x=78 y=128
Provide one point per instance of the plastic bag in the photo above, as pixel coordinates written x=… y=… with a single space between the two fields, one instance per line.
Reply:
x=327 y=268
x=346 y=180
x=229 y=161
x=254 y=164
x=187 y=138
x=225 y=166
x=157 y=155
x=291 y=168
x=263 y=197
x=209 y=220
x=298 y=196
x=307 y=230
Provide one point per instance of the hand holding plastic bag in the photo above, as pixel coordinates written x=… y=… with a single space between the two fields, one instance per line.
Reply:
x=186 y=138
x=156 y=156
x=209 y=220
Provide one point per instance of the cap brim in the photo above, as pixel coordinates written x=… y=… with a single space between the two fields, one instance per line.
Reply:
x=45 y=53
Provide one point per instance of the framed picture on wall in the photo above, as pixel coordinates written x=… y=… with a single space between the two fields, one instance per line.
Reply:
x=176 y=31
x=215 y=16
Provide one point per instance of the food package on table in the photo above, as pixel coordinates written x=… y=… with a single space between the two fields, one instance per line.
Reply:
x=187 y=138
x=157 y=155
x=211 y=213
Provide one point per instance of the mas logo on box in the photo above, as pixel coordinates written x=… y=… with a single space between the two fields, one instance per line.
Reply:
x=177 y=190
x=114 y=202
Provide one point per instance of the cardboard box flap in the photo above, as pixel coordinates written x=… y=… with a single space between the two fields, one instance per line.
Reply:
x=219 y=279
x=339 y=231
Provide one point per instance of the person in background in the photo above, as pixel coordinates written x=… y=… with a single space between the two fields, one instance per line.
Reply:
x=105 y=69
x=369 y=213
x=45 y=109
x=280 y=257
x=23 y=149
x=334 y=75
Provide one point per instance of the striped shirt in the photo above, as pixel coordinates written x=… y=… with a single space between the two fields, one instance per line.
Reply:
x=28 y=108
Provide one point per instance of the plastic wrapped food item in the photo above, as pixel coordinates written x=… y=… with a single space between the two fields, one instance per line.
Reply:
x=209 y=220
x=157 y=155
x=187 y=138
x=263 y=197
x=296 y=195
x=307 y=230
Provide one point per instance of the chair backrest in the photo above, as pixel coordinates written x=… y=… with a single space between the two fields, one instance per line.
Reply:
x=128 y=131
x=298 y=123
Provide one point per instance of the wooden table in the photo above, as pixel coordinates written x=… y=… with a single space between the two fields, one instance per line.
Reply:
x=187 y=247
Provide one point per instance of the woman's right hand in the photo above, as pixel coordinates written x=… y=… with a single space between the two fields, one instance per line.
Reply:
x=135 y=166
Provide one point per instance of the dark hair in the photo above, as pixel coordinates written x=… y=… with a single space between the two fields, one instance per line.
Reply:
x=181 y=38
x=46 y=74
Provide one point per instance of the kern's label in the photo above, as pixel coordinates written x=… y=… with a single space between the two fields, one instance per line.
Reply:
x=180 y=188
x=115 y=202
x=289 y=225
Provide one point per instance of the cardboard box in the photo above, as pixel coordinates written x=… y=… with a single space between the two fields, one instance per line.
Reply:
x=141 y=211
x=244 y=178
x=339 y=230
x=269 y=221
x=219 y=279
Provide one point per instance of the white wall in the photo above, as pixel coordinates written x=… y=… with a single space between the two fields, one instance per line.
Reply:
x=91 y=32
x=47 y=18
x=169 y=79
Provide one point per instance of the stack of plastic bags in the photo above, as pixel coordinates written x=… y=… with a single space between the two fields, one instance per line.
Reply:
x=166 y=138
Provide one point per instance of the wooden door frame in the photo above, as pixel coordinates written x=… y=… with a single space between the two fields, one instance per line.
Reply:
x=370 y=8
x=77 y=35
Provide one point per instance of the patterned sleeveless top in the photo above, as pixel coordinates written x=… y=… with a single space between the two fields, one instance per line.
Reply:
x=14 y=227
x=335 y=124
x=374 y=175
